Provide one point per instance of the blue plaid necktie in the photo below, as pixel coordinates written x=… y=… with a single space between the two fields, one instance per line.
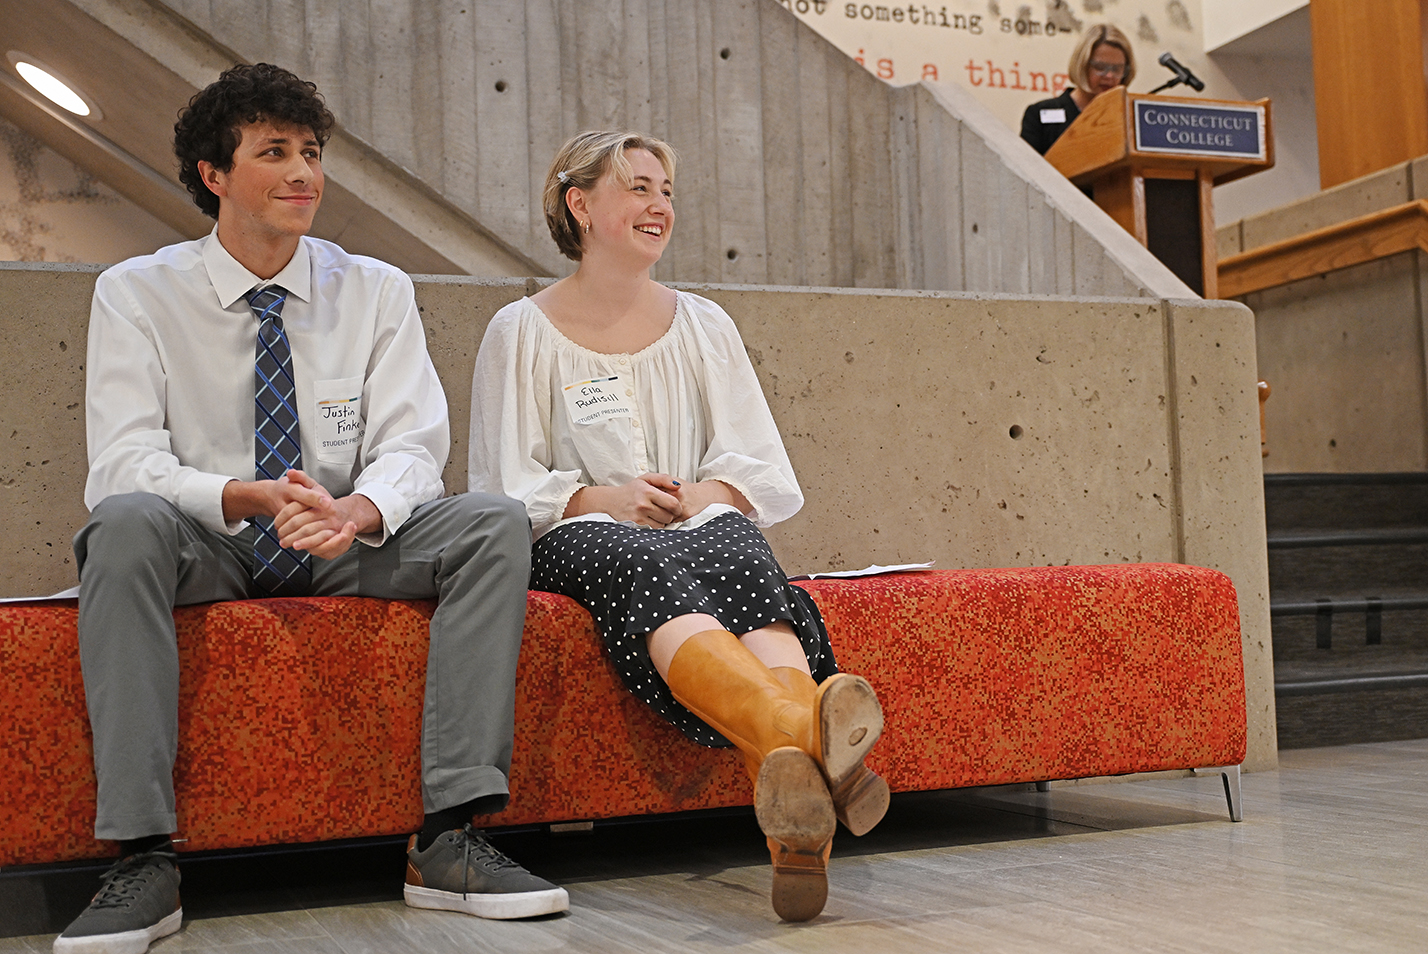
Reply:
x=277 y=446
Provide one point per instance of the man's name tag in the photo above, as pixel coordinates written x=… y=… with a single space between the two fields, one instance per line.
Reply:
x=339 y=424
x=598 y=399
x=1053 y=115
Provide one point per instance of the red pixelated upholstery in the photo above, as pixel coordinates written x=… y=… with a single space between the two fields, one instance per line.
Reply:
x=300 y=718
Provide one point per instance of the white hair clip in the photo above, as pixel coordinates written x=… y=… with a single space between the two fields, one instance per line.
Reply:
x=562 y=176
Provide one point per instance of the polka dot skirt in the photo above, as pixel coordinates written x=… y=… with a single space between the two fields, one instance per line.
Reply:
x=635 y=579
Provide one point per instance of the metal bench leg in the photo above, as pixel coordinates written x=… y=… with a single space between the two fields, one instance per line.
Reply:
x=1230 y=775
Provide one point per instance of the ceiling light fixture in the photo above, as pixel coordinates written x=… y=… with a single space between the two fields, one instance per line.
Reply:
x=52 y=86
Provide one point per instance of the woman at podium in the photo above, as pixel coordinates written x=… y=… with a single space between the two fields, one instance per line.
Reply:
x=1102 y=61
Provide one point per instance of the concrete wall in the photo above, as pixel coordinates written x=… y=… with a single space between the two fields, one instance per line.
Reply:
x=53 y=211
x=1137 y=421
x=798 y=166
x=1343 y=352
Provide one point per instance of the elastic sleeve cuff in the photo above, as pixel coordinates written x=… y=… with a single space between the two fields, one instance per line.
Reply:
x=201 y=497
x=391 y=504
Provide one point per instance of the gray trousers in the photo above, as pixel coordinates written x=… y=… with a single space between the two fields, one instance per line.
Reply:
x=139 y=556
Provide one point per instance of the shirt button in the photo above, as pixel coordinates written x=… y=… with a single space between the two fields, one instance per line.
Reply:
x=624 y=360
x=635 y=423
x=629 y=392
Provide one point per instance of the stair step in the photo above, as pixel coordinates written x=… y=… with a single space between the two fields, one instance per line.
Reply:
x=1400 y=478
x=1365 y=683
x=1299 y=539
x=1345 y=501
x=1350 y=604
x=1348 y=572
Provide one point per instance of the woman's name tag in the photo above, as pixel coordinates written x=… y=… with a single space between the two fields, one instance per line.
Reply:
x=1053 y=115
x=598 y=399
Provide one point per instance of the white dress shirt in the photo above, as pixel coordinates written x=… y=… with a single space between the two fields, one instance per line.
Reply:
x=169 y=391
x=688 y=405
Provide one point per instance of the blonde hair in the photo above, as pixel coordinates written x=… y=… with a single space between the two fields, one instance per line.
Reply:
x=579 y=164
x=1094 y=37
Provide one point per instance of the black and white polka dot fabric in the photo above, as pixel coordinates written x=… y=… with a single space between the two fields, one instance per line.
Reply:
x=634 y=579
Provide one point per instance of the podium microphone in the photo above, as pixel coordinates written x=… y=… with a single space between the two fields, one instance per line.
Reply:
x=1182 y=75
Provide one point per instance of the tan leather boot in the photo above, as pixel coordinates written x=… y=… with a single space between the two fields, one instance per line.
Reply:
x=847 y=720
x=714 y=676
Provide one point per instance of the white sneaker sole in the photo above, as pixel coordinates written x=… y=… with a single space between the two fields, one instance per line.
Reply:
x=497 y=907
x=125 y=942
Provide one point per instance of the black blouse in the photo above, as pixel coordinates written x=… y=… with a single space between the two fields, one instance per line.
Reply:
x=1044 y=122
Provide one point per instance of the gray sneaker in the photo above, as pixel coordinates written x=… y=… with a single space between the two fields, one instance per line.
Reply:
x=462 y=871
x=137 y=903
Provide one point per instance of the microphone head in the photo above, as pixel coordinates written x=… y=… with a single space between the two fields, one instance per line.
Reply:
x=1181 y=71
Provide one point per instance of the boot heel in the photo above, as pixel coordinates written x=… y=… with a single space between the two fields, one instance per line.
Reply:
x=861 y=801
x=800 y=880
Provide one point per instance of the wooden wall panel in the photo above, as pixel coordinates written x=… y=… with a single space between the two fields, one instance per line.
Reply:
x=1370 y=98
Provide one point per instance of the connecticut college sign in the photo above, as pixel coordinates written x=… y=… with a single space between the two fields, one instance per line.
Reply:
x=1203 y=130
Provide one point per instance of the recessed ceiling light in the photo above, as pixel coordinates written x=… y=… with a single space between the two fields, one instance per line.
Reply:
x=52 y=86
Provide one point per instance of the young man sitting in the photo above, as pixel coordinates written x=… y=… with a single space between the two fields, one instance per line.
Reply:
x=263 y=420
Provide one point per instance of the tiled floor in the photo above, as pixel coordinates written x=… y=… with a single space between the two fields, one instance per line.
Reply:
x=1332 y=856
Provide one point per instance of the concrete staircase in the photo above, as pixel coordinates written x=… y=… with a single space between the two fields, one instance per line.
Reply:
x=798 y=168
x=1348 y=576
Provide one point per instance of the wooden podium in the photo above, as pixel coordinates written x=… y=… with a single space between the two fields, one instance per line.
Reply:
x=1151 y=162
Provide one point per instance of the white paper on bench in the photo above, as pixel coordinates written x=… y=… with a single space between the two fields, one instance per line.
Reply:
x=873 y=570
x=69 y=594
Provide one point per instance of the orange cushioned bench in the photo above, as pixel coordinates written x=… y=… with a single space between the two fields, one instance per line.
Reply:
x=300 y=718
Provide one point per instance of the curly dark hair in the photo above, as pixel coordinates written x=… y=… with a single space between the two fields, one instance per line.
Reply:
x=208 y=127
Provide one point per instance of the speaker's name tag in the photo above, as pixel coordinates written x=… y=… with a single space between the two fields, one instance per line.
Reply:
x=599 y=399
x=339 y=419
x=1053 y=115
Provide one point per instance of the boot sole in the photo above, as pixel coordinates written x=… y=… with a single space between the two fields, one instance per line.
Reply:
x=850 y=721
x=795 y=812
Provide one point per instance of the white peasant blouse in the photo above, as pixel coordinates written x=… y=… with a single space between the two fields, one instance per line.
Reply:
x=688 y=405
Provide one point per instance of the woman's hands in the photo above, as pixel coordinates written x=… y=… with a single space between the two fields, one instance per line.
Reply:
x=654 y=500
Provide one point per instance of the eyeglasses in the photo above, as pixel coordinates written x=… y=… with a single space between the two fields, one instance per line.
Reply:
x=1107 y=69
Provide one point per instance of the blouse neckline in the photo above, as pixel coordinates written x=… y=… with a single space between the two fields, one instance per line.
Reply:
x=657 y=344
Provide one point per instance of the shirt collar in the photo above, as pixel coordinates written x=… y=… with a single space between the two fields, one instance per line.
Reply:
x=232 y=281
